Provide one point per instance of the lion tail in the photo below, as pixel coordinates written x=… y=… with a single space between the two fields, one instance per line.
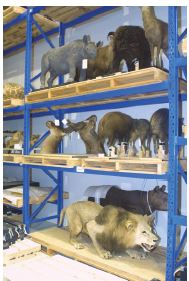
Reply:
x=62 y=215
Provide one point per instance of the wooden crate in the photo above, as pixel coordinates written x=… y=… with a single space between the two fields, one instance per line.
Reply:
x=17 y=33
x=16 y=158
x=131 y=165
x=54 y=159
x=122 y=80
x=56 y=240
x=7 y=103
x=20 y=249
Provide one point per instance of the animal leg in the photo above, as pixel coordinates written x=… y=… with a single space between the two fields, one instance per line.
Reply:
x=75 y=227
x=152 y=54
x=155 y=56
x=111 y=141
x=44 y=70
x=83 y=75
x=93 y=229
x=159 y=56
x=53 y=75
x=156 y=143
x=72 y=72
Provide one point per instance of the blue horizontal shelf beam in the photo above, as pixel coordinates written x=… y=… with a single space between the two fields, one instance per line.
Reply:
x=15 y=21
x=90 y=15
x=98 y=172
x=122 y=104
x=180 y=220
x=13 y=109
x=146 y=89
x=11 y=164
x=44 y=219
x=181 y=141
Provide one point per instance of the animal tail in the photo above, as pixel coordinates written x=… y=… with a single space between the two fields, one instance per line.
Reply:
x=62 y=215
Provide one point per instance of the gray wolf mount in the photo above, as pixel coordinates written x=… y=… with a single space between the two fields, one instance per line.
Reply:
x=110 y=228
x=156 y=32
x=50 y=144
x=67 y=59
x=87 y=132
x=136 y=201
x=131 y=45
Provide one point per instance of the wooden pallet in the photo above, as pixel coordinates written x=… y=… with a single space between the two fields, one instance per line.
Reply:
x=54 y=159
x=17 y=33
x=20 y=249
x=122 y=80
x=43 y=267
x=66 y=13
x=7 y=103
x=56 y=240
x=131 y=165
x=16 y=158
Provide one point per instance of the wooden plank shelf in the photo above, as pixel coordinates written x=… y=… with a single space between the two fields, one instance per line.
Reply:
x=8 y=103
x=55 y=240
x=118 y=81
x=19 y=250
x=17 y=33
x=131 y=165
x=93 y=162
x=15 y=158
x=54 y=159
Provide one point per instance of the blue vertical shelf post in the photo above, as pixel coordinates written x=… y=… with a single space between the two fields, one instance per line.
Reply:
x=174 y=218
x=28 y=56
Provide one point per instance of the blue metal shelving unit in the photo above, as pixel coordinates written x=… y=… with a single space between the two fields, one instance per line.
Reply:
x=175 y=141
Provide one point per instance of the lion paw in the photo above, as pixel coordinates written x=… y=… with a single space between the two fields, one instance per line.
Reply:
x=79 y=246
x=105 y=255
x=136 y=254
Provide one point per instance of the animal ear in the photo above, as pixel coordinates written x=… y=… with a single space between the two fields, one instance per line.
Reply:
x=151 y=219
x=156 y=188
x=92 y=118
x=50 y=124
x=129 y=225
x=111 y=35
x=163 y=188
x=99 y=44
x=86 y=39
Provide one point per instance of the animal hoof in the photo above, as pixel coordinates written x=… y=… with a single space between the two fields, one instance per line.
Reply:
x=106 y=255
x=79 y=246
x=70 y=80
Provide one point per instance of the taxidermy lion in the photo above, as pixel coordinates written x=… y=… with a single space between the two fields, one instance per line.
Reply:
x=110 y=229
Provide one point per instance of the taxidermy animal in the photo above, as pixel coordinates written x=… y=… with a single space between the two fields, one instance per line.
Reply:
x=141 y=129
x=66 y=59
x=110 y=228
x=156 y=32
x=137 y=201
x=102 y=64
x=159 y=123
x=115 y=126
x=87 y=132
x=50 y=144
x=131 y=45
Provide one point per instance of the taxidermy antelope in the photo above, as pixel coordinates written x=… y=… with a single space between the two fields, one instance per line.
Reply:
x=156 y=32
